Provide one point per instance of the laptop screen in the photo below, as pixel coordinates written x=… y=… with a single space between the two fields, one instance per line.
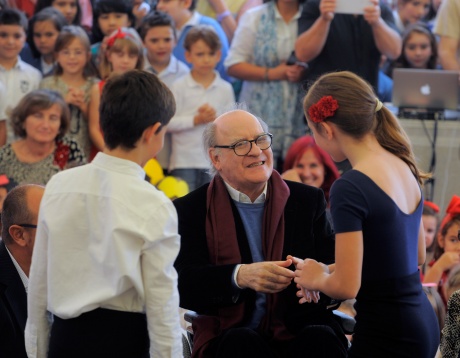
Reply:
x=425 y=89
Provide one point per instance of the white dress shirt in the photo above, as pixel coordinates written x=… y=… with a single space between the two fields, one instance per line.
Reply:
x=108 y=239
x=187 y=143
x=175 y=70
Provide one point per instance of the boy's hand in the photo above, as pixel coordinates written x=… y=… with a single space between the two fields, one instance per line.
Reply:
x=205 y=114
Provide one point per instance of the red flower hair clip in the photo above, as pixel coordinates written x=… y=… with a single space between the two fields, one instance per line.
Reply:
x=323 y=109
x=118 y=35
x=61 y=155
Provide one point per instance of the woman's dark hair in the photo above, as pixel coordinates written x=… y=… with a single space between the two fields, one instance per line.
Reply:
x=41 y=4
x=106 y=7
x=47 y=14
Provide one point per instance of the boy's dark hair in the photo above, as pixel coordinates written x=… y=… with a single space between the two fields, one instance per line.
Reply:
x=47 y=14
x=154 y=19
x=130 y=103
x=41 y=4
x=13 y=17
x=3 y=5
x=204 y=33
x=192 y=5
x=106 y=7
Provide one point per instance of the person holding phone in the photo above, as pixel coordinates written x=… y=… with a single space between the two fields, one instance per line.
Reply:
x=330 y=41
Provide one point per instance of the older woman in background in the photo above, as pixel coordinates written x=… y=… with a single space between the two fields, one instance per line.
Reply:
x=41 y=120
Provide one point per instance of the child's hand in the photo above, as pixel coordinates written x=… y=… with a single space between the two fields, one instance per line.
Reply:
x=75 y=96
x=205 y=114
x=448 y=260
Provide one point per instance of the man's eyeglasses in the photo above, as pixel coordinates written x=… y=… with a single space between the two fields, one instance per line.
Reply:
x=29 y=226
x=243 y=147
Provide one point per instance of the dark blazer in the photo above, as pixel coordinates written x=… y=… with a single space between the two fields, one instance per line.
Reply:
x=204 y=288
x=13 y=308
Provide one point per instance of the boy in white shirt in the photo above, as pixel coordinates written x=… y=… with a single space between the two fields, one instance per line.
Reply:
x=18 y=77
x=158 y=34
x=107 y=240
x=200 y=95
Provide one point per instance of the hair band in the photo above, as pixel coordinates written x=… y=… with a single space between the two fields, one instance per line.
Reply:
x=378 y=105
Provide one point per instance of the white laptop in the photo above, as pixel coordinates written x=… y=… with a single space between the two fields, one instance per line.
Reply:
x=425 y=89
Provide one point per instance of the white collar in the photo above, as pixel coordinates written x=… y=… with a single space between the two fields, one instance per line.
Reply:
x=22 y=275
x=243 y=198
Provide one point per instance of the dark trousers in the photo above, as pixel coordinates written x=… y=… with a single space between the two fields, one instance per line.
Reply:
x=314 y=341
x=100 y=333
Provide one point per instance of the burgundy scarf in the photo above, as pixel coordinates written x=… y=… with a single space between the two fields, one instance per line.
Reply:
x=223 y=249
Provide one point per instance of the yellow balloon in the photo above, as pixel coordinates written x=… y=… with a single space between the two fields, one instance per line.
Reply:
x=173 y=187
x=154 y=171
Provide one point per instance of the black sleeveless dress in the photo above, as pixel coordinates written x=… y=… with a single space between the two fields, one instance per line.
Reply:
x=394 y=317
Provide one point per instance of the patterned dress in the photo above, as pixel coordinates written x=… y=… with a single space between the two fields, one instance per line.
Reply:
x=67 y=155
x=450 y=341
x=78 y=129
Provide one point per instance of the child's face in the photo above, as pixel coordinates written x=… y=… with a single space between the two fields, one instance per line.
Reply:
x=159 y=42
x=413 y=11
x=429 y=226
x=45 y=35
x=418 y=50
x=43 y=126
x=122 y=61
x=174 y=8
x=67 y=7
x=202 y=58
x=12 y=38
x=112 y=21
x=73 y=58
x=450 y=242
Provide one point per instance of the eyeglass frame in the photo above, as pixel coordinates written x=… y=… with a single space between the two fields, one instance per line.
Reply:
x=233 y=146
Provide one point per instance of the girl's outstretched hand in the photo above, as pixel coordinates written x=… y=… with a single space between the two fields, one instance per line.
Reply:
x=306 y=292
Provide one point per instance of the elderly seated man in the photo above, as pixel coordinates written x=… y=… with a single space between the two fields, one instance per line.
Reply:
x=236 y=233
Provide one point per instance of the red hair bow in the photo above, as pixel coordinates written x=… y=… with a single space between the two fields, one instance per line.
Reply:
x=118 y=35
x=452 y=210
x=323 y=109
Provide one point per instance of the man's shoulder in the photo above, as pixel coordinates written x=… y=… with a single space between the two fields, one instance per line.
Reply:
x=301 y=189
x=194 y=198
x=6 y=265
